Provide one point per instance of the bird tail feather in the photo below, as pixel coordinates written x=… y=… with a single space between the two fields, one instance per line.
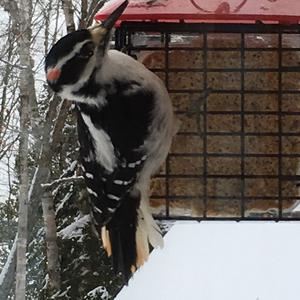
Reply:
x=127 y=236
x=150 y=228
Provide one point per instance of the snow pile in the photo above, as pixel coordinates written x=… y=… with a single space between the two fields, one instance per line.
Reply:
x=222 y=261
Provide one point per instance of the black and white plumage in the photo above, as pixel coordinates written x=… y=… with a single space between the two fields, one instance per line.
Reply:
x=125 y=127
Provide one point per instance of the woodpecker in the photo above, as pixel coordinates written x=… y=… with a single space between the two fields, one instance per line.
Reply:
x=125 y=127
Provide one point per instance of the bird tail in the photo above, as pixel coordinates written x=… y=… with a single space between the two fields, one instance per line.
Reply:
x=127 y=236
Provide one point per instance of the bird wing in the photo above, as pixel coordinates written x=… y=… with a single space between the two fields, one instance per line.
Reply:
x=115 y=207
x=125 y=121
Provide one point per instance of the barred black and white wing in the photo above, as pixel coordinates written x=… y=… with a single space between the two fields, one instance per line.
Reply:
x=113 y=154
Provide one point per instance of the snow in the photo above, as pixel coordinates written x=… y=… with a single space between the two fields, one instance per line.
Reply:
x=99 y=291
x=222 y=261
x=32 y=183
x=63 y=202
x=64 y=293
x=74 y=230
x=8 y=261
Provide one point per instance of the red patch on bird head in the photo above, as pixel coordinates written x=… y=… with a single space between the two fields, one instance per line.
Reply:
x=53 y=74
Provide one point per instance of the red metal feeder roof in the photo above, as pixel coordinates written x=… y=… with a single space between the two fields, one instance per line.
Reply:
x=245 y=11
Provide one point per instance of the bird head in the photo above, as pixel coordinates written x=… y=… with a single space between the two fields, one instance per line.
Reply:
x=72 y=60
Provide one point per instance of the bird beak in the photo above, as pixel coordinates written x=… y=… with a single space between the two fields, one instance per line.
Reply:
x=112 y=19
x=99 y=31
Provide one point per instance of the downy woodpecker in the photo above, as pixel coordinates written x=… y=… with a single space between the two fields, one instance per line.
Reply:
x=125 y=127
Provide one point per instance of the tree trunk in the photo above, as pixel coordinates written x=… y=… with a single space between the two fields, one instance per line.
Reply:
x=51 y=241
x=24 y=52
x=69 y=14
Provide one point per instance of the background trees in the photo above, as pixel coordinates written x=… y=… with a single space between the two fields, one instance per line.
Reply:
x=46 y=240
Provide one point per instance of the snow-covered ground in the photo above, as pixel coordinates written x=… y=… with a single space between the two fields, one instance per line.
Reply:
x=222 y=261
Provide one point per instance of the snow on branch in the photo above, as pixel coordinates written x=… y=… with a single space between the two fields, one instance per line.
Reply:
x=63 y=202
x=99 y=291
x=74 y=230
x=57 y=182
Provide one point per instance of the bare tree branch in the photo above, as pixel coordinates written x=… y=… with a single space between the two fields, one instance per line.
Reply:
x=84 y=14
x=12 y=64
x=94 y=8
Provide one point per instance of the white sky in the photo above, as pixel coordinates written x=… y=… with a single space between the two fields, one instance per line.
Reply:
x=3 y=173
x=222 y=261
x=38 y=54
x=4 y=188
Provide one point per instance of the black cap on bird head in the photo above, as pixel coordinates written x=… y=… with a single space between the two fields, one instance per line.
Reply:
x=74 y=56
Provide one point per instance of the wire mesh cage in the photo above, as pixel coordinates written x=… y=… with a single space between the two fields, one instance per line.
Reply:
x=236 y=90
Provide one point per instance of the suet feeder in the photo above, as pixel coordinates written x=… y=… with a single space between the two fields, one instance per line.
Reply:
x=232 y=69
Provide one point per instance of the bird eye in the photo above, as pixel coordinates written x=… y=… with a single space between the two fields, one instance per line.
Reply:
x=86 y=51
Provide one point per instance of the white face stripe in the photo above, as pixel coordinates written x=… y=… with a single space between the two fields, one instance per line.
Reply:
x=75 y=51
x=68 y=91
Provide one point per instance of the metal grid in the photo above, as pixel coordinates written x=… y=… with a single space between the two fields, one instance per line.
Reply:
x=237 y=153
